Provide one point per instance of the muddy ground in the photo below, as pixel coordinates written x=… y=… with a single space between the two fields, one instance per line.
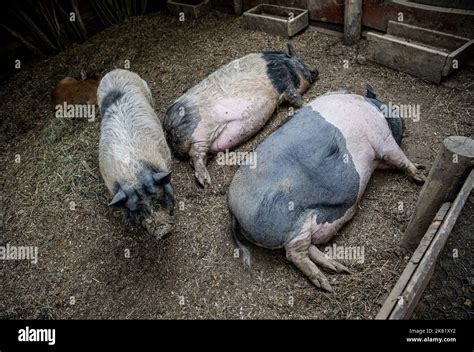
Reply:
x=52 y=196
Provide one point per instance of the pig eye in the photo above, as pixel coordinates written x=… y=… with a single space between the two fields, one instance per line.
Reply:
x=150 y=188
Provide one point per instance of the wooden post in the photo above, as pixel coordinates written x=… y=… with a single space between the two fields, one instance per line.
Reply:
x=352 y=21
x=238 y=7
x=449 y=170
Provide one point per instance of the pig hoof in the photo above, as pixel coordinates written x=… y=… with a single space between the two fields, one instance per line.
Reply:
x=419 y=166
x=305 y=256
x=203 y=178
x=328 y=288
x=320 y=280
x=320 y=258
x=418 y=179
x=162 y=232
x=324 y=284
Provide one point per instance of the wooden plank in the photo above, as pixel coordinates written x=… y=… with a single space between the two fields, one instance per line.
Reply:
x=377 y=13
x=330 y=32
x=402 y=282
x=462 y=55
x=425 y=35
x=422 y=275
x=420 y=61
x=445 y=10
x=190 y=11
x=279 y=20
x=458 y=48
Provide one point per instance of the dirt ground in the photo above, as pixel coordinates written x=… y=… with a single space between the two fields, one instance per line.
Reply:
x=52 y=195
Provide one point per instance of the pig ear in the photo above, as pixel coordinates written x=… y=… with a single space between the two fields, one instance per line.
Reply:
x=290 y=50
x=162 y=178
x=119 y=198
x=370 y=92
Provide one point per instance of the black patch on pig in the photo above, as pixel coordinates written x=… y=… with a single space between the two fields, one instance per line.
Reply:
x=179 y=123
x=110 y=99
x=281 y=72
x=395 y=122
x=303 y=167
x=396 y=126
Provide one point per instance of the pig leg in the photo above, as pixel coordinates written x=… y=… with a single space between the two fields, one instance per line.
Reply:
x=297 y=251
x=394 y=156
x=384 y=166
x=198 y=154
x=323 y=233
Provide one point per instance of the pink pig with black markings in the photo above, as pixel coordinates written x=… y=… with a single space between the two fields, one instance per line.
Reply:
x=310 y=176
x=232 y=104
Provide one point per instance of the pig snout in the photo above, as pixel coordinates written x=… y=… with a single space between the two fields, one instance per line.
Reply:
x=307 y=74
x=159 y=224
x=160 y=219
x=314 y=74
x=149 y=205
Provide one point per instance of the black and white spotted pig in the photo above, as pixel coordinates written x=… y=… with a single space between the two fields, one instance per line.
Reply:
x=134 y=157
x=311 y=174
x=233 y=103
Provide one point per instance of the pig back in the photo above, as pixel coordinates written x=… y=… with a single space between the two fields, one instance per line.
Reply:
x=242 y=86
x=363 y=126
x=131 y=133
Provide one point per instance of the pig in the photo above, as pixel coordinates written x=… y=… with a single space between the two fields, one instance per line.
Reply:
x=311 y=174
x=76 y=92
x=232 y=104
x=134 y=158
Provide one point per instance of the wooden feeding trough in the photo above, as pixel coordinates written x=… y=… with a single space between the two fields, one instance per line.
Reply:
x=422 y=52
x=441 y=195
x=279 y=20
x=190 y=8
